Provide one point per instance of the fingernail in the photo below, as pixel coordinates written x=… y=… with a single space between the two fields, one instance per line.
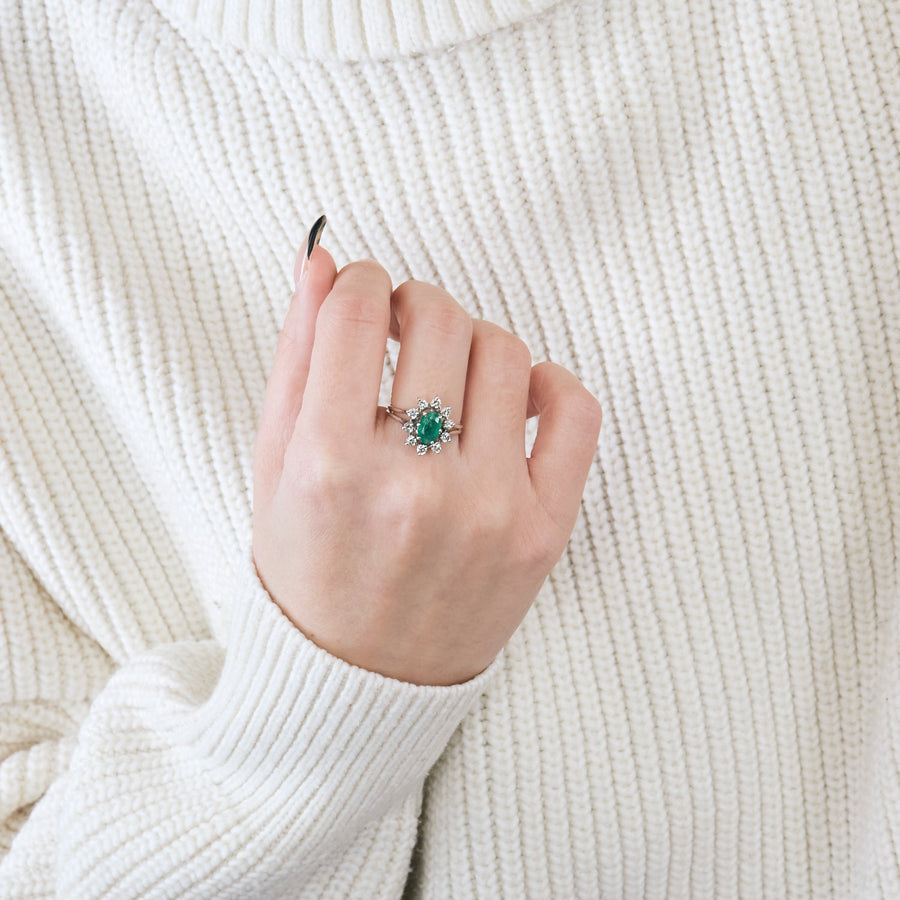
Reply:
x=315 y=234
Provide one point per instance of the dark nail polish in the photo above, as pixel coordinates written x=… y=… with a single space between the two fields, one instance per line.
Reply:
x=315 y=234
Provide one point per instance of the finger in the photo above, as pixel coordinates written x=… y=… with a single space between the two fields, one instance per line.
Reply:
x=566 y=441
x=497 y=387
x=287 y=380
x=347 y=361
x=435 y=333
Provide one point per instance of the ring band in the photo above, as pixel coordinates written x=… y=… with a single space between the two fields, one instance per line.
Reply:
x=428 y=425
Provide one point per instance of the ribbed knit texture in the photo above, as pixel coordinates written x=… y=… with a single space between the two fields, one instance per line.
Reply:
x=692 y=204
x=348 y=29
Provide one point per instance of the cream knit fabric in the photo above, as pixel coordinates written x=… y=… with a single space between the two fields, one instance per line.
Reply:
x=692 y=204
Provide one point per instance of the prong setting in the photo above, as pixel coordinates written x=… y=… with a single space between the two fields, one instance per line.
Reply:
x=429 y=425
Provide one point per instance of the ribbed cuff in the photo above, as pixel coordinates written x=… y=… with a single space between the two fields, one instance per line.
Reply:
x=286 y=715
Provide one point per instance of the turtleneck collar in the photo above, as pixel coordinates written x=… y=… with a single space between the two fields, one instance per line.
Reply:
x=348 y=29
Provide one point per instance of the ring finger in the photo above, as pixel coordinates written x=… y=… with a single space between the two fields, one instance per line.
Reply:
x=435 y=334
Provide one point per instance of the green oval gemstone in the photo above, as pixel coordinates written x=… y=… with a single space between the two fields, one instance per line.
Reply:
x=429 y=429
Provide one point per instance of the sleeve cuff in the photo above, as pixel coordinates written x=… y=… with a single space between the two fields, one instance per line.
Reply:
x=287 y=714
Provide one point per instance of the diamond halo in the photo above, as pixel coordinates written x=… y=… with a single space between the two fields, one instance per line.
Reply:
x=430 y=421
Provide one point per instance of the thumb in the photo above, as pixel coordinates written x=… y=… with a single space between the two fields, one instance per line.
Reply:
x=287 y=379
x=566 y=441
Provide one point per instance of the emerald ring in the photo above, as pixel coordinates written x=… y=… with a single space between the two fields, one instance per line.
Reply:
x=429 y=425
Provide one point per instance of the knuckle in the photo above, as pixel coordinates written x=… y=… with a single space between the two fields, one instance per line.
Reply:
x=540 y=555
x=404 y=507
x=490 y=523
x=518 y=353
x=540 y=545
x=450 y=320
x=584 y=406
x=322 y=478
x=506 y=349
x=541 y=372
x=413 y=287
x=410 y=512
x=563 y=388
x=546 y=368
x=366 y=271
x=556 y=379
x=432 y=306
x=352 y=307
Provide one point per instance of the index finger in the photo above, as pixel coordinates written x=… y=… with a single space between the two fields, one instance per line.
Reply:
x=347 y=360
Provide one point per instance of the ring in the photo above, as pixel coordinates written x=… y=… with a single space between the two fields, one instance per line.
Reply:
x=429 y=425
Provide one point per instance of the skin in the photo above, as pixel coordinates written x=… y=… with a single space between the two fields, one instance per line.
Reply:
x=418 y=568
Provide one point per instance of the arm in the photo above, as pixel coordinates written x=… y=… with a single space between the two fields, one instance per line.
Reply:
x=267 y=768
x=192 y=768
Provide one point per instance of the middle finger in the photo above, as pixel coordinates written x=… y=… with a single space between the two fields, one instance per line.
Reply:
x=435 y=336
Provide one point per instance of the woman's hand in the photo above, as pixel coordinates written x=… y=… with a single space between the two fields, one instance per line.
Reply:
x=417 y=567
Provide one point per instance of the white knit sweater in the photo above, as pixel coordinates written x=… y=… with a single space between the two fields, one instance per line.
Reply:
x=694 y=205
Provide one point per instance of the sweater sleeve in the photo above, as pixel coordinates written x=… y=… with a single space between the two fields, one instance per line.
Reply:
x=267 y=768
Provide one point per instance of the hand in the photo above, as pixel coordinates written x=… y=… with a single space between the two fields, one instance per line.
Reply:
x=416 y=567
